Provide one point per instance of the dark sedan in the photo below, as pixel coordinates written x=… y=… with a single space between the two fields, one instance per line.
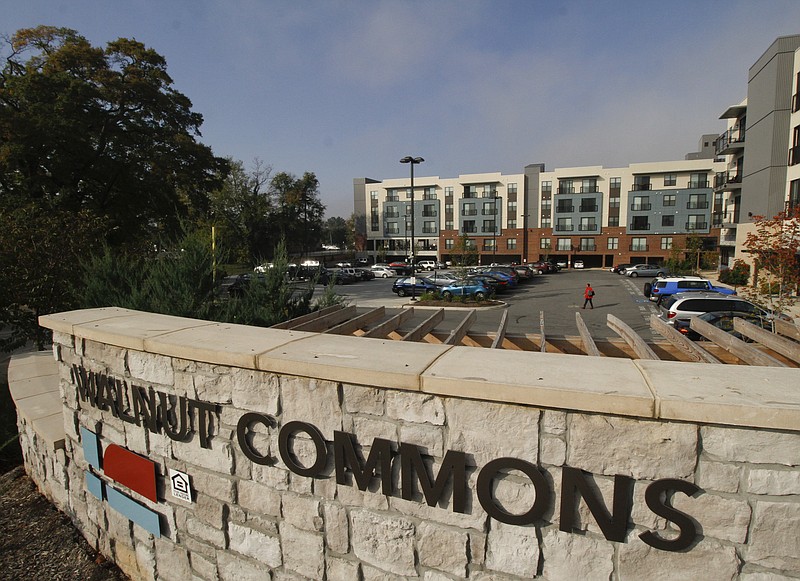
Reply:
x=403 y=287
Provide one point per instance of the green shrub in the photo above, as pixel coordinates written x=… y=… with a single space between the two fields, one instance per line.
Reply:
x=737 y=275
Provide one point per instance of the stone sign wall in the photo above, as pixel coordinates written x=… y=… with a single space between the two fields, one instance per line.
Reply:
x=330 y=472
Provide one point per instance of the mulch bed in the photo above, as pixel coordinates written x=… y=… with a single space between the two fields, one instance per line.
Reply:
x=39 y=542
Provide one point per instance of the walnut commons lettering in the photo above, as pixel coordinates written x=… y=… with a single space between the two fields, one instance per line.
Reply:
x=576 y=484
x=180 y=418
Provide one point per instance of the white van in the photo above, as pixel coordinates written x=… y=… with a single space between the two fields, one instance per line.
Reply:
x=426 y=265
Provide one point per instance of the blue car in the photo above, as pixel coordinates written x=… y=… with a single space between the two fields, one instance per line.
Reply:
x=403 y=287
x=470 y=287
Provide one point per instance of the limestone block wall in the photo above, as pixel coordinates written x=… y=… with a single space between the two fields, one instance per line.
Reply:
x=317 y=457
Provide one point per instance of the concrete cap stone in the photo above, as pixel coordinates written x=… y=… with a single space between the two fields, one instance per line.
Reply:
x=374 y=362
x=575 y=382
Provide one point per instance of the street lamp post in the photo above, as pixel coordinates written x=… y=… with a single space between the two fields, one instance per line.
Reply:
x=413 y=161
x=494 y=230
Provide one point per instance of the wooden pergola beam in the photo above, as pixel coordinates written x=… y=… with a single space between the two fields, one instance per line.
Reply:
x=681 y=341
x=501 y=331
x=292 y=323
x=786 y=347
x=349 y=327
x=457 y=335
x=425 y=327
x=589 y=346
x=631 y=337
x=742 y=350
x=382 y=330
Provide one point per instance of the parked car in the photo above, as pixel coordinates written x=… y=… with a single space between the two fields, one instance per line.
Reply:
x=577 y=264
x=343 y=264
x=660 y=288
x=681 y=307
x=442 y=278
x=365 y=273
x=468 y=287
x=342 y=276
x=494 y=283
x=403 y=286
x=724 y=320
x=645 y=270
x=620 y=268
x=401 y=268
x=383 y=272
x=542 y=267
x=426 y=265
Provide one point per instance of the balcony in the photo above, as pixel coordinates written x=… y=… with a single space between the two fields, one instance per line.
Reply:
x=469 y=229
x=730 y=141
x=697 y=205
x=429 y=214
x=589 y=189
x=564 y=209
x=393 y=198
x=724 y=178
x=490 y=211
x=587 y=227
x=470 y=212
x=639 y=227
x=642 y=187
x=489 y=230
x=696 y=185
x=566 y=190
x=692 y=226
x=429 y=231
x=638 y=247
x=727 y=240
x=392 y=214
x=564 y=227
x=640 y=207
x=588 y=208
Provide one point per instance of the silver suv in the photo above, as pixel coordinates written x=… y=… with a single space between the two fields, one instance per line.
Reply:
x=684 y=306
x=645 y=270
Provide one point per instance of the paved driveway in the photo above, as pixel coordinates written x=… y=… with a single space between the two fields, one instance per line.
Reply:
x=559 y=296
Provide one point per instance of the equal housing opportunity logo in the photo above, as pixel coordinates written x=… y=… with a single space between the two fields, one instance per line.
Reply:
x=180 y=418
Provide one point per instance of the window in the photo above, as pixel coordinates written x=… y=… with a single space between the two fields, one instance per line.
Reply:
x=669 y=200
x=613 y=202
x=587 y=225
x=546 y=222
x=588 y=205
x=448 y=225
x=544 y=243
x=547 y=204
x=489 y=244
x=613 y=221
x=564 y=225
x=471 y=192
x=794 y=194
x=613 y=243
x=566 y=187
x=489 y=209
x=667 y=220
x=588 y=185
x=392 y=228
x=448 y=208
x=670 y=179
x=448 y=192
x=392 y=212
x=469 y=244
x=640 y=223
x=429 y=193
x=641 y=183
x=564 y=206
x=794 y=152
x=488 y=226
x=512 y=188
x=373 y=195
x=564 y=244
x=547 y=187
x=696 y=222
x=408 y=193
x=471 y=209
x=666 y=243
x=511 y=243
x=429 y=210
x=698 y=180
x=512 y=223
x=640 y=203
x=469 y=226
x=615 y=184
x=512 y=206
x=449 y=243
x=392 y=196
x=587 y=244
x=697 y=202
x=638 y=244
x=429 y=227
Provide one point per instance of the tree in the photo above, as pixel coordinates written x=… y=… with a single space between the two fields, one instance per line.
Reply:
x=774 y=245
x=100 y=131
x=335 y=232
x=298 y=211
x=241 y=210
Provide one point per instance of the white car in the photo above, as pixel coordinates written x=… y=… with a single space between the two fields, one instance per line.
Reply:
x=383 y=272
x=577 y=264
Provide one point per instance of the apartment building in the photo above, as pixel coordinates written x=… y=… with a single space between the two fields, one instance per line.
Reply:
x=603 y=215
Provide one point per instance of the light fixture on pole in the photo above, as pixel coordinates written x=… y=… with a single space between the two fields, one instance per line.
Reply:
x=494 y=230
x=413 y=161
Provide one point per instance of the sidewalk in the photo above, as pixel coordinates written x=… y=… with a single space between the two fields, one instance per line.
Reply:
x=793 y=311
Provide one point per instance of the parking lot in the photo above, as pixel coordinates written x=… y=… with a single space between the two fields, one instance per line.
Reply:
x=559 y=296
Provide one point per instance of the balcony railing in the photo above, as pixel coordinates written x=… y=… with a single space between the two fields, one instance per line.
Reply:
x=392 y=214
x=642 y=187
x=588 y=247
x=697 y=205
x=723 y=178
x=428 y=196
x=392 y=198
x=696 y=225
x=588 y=208
x=638 y=247
x=587 y=227
x=589 y=189
x=733 y=136
x=564 y=227
x=488 y=229
x=566 y=189
x=490 y=211
x=640 y=207
x=565 y=209
x=640 y=227
x=429 y=230
x=470 y=212
x=429 y=213
x=469 y=229
x=695 y=185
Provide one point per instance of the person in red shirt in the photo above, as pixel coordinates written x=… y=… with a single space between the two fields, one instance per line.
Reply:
x=588 y=294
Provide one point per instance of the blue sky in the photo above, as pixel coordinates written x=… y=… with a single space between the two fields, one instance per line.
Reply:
x=347 y=88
